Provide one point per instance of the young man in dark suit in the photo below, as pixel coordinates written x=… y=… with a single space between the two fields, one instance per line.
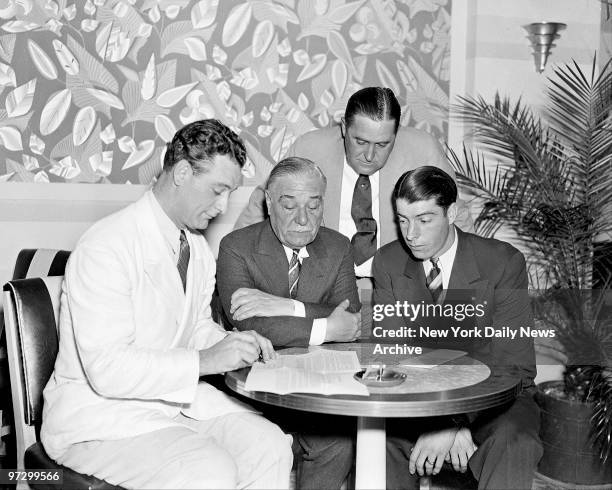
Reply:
x=435 y=262
x=293 y=279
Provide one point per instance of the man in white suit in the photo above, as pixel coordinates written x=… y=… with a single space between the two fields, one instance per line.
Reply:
x=124 y=402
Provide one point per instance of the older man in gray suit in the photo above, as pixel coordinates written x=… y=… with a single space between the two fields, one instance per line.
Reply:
x=293 y=280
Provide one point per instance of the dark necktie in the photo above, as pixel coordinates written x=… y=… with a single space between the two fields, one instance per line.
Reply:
x=294 y=273
x=183 y=260
x=434 y=280
x=364 y=240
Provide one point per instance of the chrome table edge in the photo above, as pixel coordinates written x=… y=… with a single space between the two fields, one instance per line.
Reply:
x=421 y=405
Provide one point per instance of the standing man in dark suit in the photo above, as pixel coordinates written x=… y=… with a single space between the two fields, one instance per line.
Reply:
x=438 y=263
x=294 y=280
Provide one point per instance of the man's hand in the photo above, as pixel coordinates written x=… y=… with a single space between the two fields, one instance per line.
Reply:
x=235 y=351
x=462 y=449
x=342 y=325
x=428 y=453
x=247 y=303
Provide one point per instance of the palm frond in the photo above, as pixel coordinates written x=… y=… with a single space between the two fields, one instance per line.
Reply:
x=580 y=113
x=600 y=394
x=494 y=125
x=579 y=107
x=490 y=186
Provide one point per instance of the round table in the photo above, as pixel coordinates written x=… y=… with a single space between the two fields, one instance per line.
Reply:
x=494 y=389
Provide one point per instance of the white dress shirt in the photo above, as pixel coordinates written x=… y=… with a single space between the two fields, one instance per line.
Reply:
x=346 y=225
x=319 y=325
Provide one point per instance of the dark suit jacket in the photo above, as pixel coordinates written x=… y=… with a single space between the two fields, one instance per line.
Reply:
x=413 y=148
x=253 y=257
x=485 y=271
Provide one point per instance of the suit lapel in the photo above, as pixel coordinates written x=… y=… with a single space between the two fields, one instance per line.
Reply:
x=416 y=287
x=314 y=269
x=158 y=264
x=466 y=285
x=465 y=273
x=271 y=261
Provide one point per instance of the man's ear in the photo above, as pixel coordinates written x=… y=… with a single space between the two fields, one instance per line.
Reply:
x=343 y=127
x=181 y=172
x=451 y=213
x=268 y=200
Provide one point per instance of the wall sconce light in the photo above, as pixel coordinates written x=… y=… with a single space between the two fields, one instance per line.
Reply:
x=542 y=35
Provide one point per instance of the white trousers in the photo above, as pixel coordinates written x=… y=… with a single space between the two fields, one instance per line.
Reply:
x=240 y=450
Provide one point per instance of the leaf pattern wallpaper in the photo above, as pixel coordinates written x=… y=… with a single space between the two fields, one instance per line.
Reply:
x=91 y=91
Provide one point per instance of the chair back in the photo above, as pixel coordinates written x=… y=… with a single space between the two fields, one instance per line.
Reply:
x=40 y=262
x=31 y=309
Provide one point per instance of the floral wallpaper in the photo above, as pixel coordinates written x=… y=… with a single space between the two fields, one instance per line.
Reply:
x=91 y=91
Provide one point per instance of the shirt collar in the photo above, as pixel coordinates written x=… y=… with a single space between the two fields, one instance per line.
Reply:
x=167 y=227
x=352 y=176
x=446 y=260
x=302 y=254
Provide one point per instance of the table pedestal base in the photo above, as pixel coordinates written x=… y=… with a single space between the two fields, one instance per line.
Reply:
x=370 y=465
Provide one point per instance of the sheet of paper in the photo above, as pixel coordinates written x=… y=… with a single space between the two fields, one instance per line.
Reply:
x=432 y=358
x=321 y=372
x=319 y=361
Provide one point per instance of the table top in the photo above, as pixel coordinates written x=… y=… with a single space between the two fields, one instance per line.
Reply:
x=481 y=389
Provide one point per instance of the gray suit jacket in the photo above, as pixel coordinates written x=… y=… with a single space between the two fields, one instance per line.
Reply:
x=413 y=148
x=253 y=257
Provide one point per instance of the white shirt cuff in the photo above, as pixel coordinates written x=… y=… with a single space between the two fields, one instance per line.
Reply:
x=365 y=269
x=299 y=309
x=319 y=329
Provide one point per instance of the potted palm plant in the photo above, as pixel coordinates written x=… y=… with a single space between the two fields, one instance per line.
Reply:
x=552 y=188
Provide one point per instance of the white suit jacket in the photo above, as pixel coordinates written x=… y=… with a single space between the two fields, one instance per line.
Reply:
x=129 y=337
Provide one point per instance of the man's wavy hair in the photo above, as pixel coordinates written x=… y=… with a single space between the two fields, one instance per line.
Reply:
x=424 y=183
x=200 y=141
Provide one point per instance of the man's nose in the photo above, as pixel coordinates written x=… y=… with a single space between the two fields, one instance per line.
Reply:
x=412 y=231
x=370 y=152
x=301 y=216
x=221 y=203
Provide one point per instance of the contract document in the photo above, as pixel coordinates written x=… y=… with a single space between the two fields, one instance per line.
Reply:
x=324 y=372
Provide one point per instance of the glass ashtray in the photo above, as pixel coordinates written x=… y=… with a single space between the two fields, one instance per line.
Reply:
x=380 y=377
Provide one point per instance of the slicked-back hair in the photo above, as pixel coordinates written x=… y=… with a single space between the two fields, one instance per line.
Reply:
x=295 y=167
x=200 y=141
x=377 y=103
x=424 y=183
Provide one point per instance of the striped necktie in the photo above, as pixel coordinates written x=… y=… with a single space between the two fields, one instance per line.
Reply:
x=183 y=261
x=434 y=280
x=294 y=273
